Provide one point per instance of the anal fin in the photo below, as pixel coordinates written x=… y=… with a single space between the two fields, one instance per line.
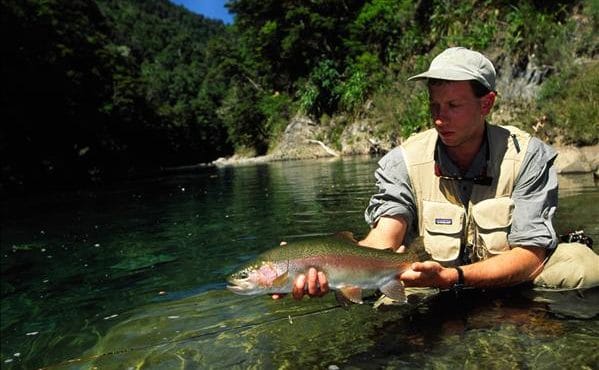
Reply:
x=394 y=289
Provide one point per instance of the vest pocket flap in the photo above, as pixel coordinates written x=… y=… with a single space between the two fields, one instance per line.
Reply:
x=492 y=214
x=442 y=229
x=442 y=218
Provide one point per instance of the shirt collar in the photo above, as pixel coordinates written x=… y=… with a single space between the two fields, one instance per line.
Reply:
x=449 y=168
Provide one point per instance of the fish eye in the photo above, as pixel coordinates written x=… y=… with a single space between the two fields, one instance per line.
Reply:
x=243 y=275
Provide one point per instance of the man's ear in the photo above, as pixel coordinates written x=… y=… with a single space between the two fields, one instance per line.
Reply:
x=487 y=102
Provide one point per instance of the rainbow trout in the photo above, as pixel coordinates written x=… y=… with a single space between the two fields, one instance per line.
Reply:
x=349 y=268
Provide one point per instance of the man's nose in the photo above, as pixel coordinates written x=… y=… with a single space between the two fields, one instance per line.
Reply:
x=439 y=116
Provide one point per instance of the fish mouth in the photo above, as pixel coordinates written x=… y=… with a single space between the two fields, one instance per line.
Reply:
x=232 y=284
x=239 y=287
x=234 y=288
x=240 y=290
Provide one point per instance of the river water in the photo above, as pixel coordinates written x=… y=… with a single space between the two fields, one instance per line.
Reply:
x=132 y=276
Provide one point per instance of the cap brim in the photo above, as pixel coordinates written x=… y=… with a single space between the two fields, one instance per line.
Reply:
x=443 y=75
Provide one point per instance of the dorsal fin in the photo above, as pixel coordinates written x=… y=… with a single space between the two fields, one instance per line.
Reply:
x=346 y=235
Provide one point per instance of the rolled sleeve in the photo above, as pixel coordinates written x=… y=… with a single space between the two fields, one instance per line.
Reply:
x=394 y=196
x=535 y=198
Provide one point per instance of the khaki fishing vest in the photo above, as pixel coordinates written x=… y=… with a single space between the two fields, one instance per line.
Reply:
x=483 y=224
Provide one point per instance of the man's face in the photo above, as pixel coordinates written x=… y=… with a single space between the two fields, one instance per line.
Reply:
x=458 y=114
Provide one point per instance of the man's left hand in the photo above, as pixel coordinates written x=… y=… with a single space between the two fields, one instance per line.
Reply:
x=429 y=274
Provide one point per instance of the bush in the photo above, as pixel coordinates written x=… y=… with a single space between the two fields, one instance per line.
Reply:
x=570 y=103
x=276 y=108
x=403 y=109
x=243 y=119
x=319 y=95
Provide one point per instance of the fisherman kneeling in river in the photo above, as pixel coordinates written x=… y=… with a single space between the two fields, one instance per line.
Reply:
x=482 y=196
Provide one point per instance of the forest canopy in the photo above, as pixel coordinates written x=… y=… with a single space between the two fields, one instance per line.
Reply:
x=100 y=89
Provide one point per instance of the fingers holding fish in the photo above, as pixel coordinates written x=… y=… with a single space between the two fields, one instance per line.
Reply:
x=299 y=287
x=314 y=284
x=427 y=267
x=428 y=274
x=317 y=283
x=323 y=282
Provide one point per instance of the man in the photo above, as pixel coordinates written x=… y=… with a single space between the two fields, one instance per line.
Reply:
x=482 y=196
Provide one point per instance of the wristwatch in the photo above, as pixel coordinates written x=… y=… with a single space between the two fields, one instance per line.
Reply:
x=460 y=283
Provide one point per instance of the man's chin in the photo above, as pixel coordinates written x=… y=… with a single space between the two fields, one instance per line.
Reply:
x=449 y=141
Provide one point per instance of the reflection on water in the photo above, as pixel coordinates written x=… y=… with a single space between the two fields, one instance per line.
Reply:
x=132 y=276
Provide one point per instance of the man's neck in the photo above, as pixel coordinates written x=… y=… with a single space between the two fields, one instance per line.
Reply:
x=463 y=156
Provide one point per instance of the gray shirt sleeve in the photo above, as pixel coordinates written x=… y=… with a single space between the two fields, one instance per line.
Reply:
x=535 y=198
x=394 y=196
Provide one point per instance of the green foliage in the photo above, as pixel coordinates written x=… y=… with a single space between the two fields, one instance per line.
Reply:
x=380 y=25
x=139 y=84
x=114 y=86
x=277 y=109
x=308 y=96
x=241 y=115
x=403 y=110
x=291 y=39
x=570 y=101
x=169 y=46
x=472 y=24
x=353 y=91
x=319 y=95
x=528 y=29
x=416 y=114
x=364 y=76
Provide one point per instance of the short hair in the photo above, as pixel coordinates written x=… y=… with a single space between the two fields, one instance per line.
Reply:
x=478 y=89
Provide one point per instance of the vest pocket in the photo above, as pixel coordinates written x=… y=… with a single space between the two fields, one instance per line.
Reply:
x=442 y=229
x=492 y=220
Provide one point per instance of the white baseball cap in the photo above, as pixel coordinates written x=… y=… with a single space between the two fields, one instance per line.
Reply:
x=460 y=64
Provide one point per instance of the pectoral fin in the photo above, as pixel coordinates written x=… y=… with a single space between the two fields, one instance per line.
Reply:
x=281 y=281
x=350 y=293
x=394 y=290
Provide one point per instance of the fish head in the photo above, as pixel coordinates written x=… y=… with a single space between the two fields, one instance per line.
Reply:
x=257 y=278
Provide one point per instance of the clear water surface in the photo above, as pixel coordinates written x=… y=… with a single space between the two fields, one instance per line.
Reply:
x=131 y=276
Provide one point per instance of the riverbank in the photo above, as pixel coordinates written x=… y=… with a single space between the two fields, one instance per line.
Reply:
x=570 y=159
x=299 y=141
